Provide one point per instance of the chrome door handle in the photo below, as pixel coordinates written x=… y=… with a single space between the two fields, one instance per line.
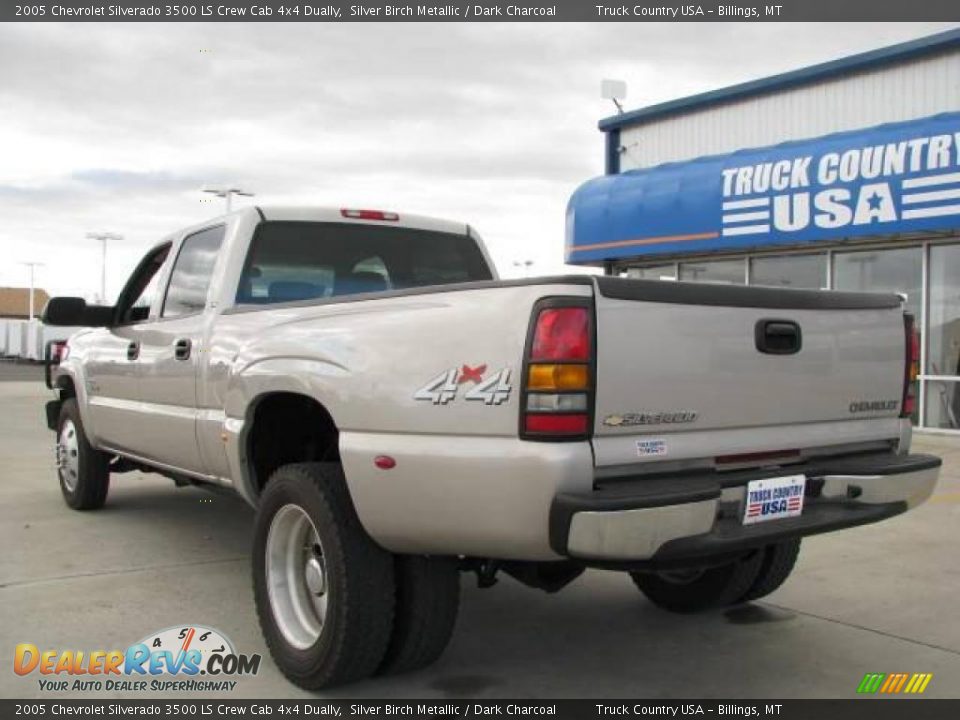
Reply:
x=181 y=349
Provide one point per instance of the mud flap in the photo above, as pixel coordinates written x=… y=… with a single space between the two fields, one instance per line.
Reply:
x=53 y=413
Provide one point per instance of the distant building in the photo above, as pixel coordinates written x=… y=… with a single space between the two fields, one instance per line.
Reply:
x=15 y=302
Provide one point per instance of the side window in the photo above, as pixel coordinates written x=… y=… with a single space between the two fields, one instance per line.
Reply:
x=190 y=278
x=141 y=306
x=141 y=291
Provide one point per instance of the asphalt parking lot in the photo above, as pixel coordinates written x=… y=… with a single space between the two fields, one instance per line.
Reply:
x=880 y=598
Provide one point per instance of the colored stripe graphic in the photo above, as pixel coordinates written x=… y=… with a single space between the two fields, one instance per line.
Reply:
x=644 y=241
x=918 y=683
x=871 y=682
x=894 y=683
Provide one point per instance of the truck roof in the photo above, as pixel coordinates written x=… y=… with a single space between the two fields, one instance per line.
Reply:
x=308 y=213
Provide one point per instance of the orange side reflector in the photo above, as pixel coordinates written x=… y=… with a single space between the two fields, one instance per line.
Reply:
x=543 y=376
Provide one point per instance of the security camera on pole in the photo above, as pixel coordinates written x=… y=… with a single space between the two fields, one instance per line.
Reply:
x=615 y=90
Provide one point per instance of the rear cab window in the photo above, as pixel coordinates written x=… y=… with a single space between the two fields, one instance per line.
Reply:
x=289 y=261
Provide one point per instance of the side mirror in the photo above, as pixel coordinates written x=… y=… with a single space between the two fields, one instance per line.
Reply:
x=73 y=311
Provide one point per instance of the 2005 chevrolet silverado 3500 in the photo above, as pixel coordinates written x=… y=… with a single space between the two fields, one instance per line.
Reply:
x=397 y=415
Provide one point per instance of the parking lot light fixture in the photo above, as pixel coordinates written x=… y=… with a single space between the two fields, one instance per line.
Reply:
x=226 y=192
x=103 y=238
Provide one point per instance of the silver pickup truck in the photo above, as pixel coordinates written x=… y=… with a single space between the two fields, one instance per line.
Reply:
x=397 y=415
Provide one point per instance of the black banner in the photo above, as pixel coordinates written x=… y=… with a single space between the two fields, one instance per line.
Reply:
x=482 y=11
x=854 y=709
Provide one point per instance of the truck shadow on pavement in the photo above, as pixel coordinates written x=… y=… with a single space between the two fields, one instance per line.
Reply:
x=598 y=637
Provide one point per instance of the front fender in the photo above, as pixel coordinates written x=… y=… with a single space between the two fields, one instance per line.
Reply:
x=72 y=371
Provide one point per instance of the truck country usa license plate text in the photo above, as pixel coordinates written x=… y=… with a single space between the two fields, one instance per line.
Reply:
x=774 y=498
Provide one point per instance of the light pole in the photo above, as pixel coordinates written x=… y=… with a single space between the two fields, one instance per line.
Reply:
x=32 y=266
x=226 y=192
x=525 y=264
x=103 y=237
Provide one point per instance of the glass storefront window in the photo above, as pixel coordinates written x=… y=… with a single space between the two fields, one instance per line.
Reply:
x=942 y=406
x=729 y=272
x=791 y=271
x=653 y=272
x=943 y=349
x=894 y=270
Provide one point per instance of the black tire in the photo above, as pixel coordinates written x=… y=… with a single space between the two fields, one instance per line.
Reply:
x=778 y=562
x=83 y=471
x=358 y=580
x=701 y=590
x=428 y=599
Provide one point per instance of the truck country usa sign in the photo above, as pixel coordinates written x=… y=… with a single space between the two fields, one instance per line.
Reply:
x=896 y=178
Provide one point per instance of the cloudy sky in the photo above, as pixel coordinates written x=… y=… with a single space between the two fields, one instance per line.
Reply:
x=116 y=126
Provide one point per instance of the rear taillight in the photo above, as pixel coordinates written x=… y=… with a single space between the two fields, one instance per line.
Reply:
x=911 y=366
x=562 y=334
x=557 y=399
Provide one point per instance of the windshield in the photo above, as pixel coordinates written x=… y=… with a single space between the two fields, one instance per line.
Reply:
x=290 y=261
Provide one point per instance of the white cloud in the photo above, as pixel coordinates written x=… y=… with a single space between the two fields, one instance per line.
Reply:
x=115 y=127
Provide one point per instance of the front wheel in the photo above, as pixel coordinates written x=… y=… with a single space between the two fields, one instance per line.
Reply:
x=695 y=590
x=324 y=590
x=83 y=470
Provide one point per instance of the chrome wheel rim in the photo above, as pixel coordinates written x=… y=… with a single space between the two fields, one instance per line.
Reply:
x=296 y=575
x=68 y=455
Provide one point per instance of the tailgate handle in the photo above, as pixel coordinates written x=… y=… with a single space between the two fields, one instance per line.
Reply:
x=778 y=337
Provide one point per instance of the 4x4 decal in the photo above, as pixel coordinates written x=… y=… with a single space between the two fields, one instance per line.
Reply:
x=445 y=387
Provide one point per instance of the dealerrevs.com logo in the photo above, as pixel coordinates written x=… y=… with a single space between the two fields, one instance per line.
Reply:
x=185 y=658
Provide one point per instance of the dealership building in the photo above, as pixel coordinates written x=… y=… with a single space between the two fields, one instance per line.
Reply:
x=844 y=175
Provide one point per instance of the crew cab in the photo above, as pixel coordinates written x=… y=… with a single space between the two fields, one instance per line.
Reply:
x=397 y=415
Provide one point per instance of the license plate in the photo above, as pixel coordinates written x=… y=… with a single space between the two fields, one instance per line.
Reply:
x=774 y=499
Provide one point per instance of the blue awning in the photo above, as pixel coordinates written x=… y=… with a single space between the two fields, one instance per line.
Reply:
x=896 y=178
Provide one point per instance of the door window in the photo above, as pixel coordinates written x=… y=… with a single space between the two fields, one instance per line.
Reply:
x=190 y=279
x=142 y=289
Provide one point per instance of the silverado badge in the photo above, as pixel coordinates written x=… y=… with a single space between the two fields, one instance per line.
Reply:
x=650 y=418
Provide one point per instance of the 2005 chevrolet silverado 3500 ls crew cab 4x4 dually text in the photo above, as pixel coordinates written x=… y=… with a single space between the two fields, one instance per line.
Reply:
x=396 y=414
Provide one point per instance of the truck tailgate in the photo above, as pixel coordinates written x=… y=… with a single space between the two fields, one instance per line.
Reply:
x=772 y=368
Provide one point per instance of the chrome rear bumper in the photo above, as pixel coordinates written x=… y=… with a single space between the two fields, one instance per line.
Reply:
x=677 y=519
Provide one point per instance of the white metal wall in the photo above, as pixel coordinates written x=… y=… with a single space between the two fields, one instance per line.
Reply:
x=21 y=339
x=913 y=89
